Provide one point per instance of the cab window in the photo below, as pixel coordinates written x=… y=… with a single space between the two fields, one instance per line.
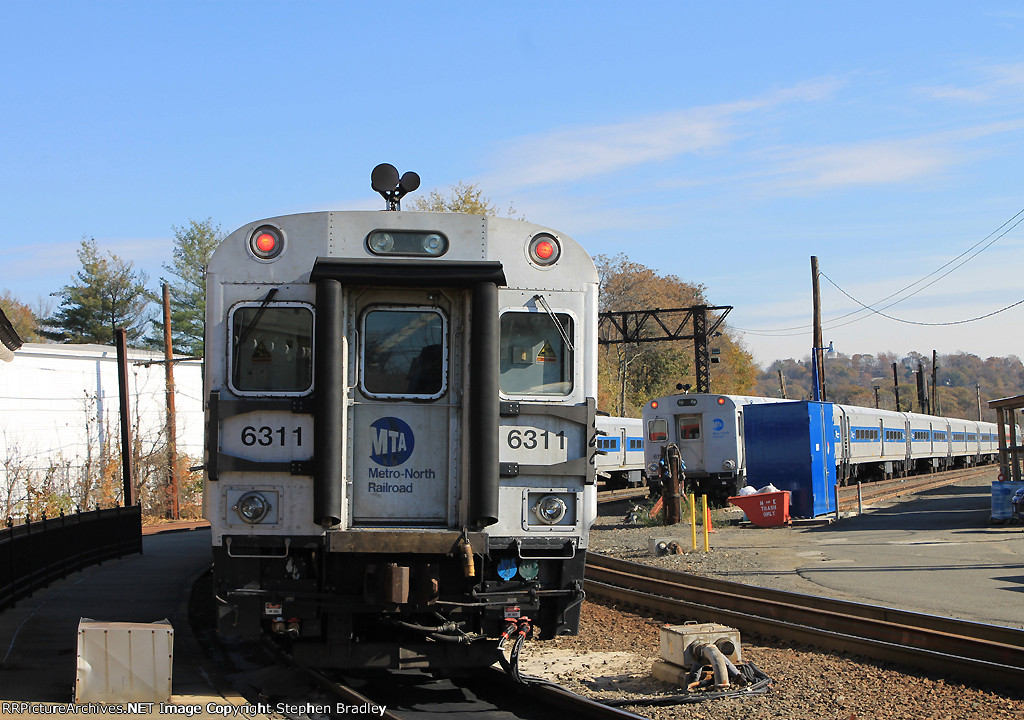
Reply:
x=272 y=348
x=404 y=353
x=688 y=427
x=657 y=430
x=535 y=357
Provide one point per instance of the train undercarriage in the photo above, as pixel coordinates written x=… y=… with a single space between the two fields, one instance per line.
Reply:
x=358 y=609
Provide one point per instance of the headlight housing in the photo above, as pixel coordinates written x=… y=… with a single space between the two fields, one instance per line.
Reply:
x=252 y=507
x=550 y=509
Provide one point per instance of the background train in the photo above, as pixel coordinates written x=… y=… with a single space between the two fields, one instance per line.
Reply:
x=620 y=459
x=870 y=444
x=401 y=434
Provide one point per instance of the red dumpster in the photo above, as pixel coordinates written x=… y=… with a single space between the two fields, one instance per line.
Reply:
x=765 y=509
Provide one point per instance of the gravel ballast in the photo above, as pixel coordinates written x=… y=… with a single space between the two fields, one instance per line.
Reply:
x=613 y=655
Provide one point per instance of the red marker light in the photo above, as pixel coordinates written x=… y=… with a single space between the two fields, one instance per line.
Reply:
x=266 y=243
x=544 y=250
x=654 y=404
x=721 y=401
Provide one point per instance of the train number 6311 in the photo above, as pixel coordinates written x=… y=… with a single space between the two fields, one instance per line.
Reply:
x=265 y=436
x=530 y=439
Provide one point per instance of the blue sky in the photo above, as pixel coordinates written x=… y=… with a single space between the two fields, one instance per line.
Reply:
x=724 y=143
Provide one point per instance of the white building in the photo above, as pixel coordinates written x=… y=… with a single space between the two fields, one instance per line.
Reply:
x=59 y=405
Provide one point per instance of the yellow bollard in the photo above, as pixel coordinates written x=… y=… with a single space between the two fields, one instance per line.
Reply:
x=707 y=521
x=693 y=519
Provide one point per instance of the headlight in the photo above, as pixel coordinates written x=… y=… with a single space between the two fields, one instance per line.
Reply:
x=434 y=244
x=380 y=242
x=729 y=465
x=407 y=243
x=252 y=507
x=550 y=509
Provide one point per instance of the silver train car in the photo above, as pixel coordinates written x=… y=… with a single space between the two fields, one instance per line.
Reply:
x=708 y=430
x=400 y=434
x=620 y=446
x=870 y=444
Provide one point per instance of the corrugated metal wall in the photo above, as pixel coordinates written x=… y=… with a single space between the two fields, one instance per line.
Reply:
x=57 y=400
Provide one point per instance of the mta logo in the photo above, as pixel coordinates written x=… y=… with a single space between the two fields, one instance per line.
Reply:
x=719 y=424
x=391 y=441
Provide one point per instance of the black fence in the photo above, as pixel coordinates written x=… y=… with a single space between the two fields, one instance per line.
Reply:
x=34 y=554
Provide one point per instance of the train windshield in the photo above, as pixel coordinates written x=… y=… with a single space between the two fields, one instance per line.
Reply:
x=688 y=427
x=271 y=348
x=536 y=358
x=404 y=353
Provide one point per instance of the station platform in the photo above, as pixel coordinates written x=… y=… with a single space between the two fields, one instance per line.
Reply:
x=39 y=635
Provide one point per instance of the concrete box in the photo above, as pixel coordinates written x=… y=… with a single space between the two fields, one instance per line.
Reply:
x=124 y=662
x=676 y=639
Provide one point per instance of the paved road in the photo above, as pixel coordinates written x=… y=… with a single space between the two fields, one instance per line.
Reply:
x=936 y=553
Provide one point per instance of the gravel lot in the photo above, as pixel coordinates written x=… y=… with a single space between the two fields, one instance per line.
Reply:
x=613 y=654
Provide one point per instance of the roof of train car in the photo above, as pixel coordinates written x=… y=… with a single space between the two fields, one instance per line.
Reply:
x=342 y=234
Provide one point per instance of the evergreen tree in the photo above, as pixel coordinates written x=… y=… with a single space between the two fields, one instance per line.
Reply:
x=193 y=246
x=109 y=293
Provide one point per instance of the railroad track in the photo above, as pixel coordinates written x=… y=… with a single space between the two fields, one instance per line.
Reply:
x=483 y=694
x=992 y=655
x=607 y=496
x=887 y=489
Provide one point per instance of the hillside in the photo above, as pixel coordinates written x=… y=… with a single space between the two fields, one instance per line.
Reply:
x=850 y=379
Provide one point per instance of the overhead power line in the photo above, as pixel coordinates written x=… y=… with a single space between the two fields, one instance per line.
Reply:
x=966 y=256
x=915 y=322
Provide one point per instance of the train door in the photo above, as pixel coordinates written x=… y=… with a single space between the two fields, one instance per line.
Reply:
x=407 y=358
x=690 y=438
x=843 y=448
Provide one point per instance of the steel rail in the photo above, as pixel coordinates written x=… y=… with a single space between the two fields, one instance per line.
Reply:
x=607 y=496
x=954 y=647
x=557 y=696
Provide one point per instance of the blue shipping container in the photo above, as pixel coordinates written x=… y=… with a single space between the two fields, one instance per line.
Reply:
x=792 y=446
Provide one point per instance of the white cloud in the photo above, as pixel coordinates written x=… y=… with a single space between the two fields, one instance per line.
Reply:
x=867 y=163
x=576 y=153
x=996 y=82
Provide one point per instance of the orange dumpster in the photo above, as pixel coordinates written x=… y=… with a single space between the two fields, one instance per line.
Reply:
x=764 y=509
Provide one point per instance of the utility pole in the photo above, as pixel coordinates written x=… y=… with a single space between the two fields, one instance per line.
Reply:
x=818 y=361
x=896 y=386
x=127 y=472
x=172 y=421
x=782 y=384
x=977 y=389
x=935 y=384
x=922 y=393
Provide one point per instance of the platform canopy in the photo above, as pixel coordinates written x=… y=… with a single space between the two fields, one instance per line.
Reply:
x=1009 y=454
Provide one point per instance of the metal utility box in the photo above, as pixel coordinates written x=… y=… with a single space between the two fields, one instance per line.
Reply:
x=124 y=662
x=792 y=446
x=676 y=641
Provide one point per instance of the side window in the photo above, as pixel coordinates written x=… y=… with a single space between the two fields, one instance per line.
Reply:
x=657 y=430
x=271 y=348
x=535 y=358
x=404 y=353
